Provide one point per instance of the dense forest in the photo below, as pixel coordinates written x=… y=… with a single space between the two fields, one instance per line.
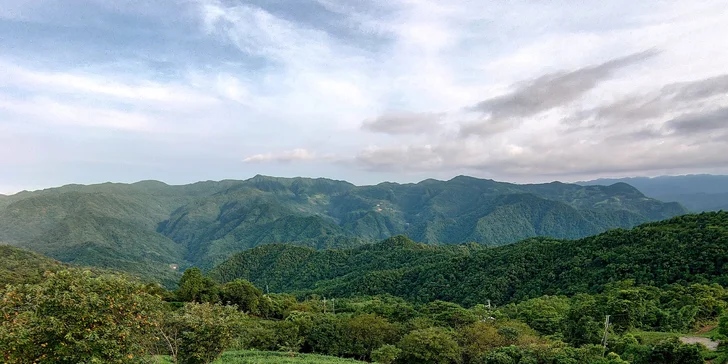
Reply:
x=148 y=228
x=685 y=249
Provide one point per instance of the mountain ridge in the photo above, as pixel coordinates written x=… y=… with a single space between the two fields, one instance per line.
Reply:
x=697 y=192
x=148 y=226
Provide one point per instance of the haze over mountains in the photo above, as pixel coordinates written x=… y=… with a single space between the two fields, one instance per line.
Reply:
x=699 y=192
x=147 y=226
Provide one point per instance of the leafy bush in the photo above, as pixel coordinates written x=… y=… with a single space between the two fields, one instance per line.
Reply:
x=386 y=354
x=75 y=317
x=429 y=346
x=200 y=332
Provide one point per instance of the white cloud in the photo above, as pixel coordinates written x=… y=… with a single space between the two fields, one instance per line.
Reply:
x=50 y=111
x=103 y=86
x=298 y=154
x=230 y=78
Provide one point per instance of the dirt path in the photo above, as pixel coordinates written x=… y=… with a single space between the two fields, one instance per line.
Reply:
x=710 y=344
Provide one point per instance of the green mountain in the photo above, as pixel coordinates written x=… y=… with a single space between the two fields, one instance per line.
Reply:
x=149 y=227
x=702 y=192
x=690 y=248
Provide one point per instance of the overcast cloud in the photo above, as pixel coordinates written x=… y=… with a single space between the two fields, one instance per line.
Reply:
x=402 y=90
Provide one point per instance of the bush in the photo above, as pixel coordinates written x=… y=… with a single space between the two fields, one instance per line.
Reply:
x=75 y=317
x=199 y=333
x=432 y=345
x=386 y=354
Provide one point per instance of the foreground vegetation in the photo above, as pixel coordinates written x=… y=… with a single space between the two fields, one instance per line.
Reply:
x=272 y=357
x=77 y=316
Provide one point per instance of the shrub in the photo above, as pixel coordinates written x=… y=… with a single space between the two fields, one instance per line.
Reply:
x=199 y=333
x=432 y=345
x=75 y=317
x=386 y=354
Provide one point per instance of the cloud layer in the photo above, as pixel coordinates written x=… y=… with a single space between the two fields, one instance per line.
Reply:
x=360 y=90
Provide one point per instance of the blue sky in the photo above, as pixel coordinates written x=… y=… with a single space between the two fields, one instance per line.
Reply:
x=367 y=91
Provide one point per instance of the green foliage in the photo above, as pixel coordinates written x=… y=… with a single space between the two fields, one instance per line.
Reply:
x=18 y=266
x=276 y=306
x=686 y=249
x=673 y=352
x=267 y=357
x=483 y=337
x=73 y=317
x=194 y=287
x=723 y=326
x=429 y=346
x=199 y=333
x=448 y=314
x=386 y=354
x=365 y=333
x=242 y=294
x=546 y=314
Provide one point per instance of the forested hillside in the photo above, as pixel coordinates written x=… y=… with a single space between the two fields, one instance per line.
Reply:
x=685 y=249
x=19 y=266
x=149 y=227
x=700 y=192
x=624 y=296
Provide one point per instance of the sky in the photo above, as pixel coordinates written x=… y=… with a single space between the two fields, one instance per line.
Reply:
x=360 y=90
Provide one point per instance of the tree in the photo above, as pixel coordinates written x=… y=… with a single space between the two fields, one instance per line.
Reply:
x=74 y=317
x=672 y=351
x=194 y=287
x=242 y=294
x=478 y=339
x=429 y=346
x=723 y=326
x=327 y=334
x=449 y=314
x=368 y=332
x=200 y=332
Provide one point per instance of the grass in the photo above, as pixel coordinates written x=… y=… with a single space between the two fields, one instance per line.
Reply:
x=265 y=357
x=273 y=357
x=654 y=337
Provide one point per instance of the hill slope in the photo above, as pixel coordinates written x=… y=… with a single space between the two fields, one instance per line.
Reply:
x=18 y=266
x=146 y=227
x=691 y=248
x=696 y=192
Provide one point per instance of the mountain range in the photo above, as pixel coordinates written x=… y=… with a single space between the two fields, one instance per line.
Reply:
x=151 y=228
x=698 y=192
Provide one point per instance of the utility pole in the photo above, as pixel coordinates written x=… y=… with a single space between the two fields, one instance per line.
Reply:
x=324 y=304
x=604 y=339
